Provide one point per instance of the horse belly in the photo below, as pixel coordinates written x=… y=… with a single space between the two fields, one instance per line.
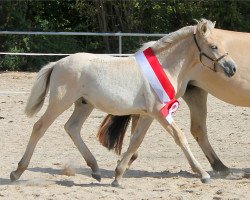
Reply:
x=235 y=97
x=117 y=100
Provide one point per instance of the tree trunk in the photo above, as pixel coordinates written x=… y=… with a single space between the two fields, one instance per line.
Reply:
x=103 y=22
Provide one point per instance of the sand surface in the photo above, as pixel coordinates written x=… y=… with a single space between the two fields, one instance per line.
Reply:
x=160 y=172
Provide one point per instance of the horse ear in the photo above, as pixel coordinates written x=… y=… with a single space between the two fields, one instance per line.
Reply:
x=204 y=28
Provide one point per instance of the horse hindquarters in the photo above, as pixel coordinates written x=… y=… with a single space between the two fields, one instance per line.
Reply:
x=57 y=104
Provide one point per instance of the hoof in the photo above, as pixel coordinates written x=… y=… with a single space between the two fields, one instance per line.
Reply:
x=246 y=175
x=206 y=180
x=97 y=177
x=115 y=184
x=218 y=166
x=13 y=176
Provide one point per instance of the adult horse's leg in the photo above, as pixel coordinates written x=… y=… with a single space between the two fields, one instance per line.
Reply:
x=54 y=109
x=140 y=131
x=196 y=100
x=73 y=127
x=180 y=140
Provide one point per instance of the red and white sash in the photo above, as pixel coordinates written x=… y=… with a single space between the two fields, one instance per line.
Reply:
x=159 y=81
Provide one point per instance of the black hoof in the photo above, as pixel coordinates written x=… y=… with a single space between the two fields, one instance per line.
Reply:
x=218 y=166
x=97 y=177
x=115 y=184
x=13 y=176
x=246 y=175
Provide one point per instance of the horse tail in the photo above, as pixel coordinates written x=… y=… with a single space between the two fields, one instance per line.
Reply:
x=39 y=90
x=112 y=130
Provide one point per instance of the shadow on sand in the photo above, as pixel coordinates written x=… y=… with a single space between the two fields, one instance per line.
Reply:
x=110 y=174
x=232 y=174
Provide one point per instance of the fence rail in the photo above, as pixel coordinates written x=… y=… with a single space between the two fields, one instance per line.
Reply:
x=81 y=33
x=118 y=34
x=53 y=54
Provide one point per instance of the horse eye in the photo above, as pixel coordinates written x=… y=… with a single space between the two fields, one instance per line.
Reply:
x=214 y=47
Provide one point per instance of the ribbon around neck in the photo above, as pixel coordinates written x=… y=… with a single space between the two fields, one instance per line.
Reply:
x=153 y=70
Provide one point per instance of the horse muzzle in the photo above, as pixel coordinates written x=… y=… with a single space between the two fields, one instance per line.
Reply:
x=229 y=68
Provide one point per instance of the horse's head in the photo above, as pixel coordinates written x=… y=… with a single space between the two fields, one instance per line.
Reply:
x=211 y=51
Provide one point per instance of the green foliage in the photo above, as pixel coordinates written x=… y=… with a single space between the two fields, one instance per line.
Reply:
x=141 y=16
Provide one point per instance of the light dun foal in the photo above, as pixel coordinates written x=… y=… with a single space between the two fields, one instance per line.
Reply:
x=117 y=86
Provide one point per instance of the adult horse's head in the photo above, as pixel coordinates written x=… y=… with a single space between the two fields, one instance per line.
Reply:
x=211 y=51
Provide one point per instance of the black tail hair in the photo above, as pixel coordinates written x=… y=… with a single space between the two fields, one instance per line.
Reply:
x=112 y=130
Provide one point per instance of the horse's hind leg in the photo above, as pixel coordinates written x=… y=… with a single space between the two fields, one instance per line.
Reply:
x=53 y=111
x=196 y=99
x=73 y=127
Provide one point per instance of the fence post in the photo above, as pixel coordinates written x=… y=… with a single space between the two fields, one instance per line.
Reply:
x=120 y=42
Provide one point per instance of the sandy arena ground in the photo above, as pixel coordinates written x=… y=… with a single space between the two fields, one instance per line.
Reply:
x=160 y=172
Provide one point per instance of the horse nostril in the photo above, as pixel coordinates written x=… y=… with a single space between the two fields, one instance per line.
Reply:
x=234 y=69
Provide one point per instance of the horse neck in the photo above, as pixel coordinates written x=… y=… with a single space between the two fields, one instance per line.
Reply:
x=177 y=62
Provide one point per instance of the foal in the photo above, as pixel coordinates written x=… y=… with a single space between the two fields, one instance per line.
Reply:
x=118 y=86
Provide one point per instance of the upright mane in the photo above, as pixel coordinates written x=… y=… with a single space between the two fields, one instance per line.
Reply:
x=170 y=39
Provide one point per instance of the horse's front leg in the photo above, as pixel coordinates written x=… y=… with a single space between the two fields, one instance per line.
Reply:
x=196 y=100
x=181 y=141
x=142 y=126
x=135 y=119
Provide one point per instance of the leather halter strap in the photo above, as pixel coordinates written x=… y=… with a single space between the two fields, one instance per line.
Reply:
x=215 y=61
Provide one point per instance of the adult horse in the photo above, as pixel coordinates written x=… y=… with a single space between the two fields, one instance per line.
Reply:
x=237 y=92
x=118 y=86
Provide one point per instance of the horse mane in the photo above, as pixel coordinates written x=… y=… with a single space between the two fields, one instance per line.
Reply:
x=170 y=39
x=146 y=45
